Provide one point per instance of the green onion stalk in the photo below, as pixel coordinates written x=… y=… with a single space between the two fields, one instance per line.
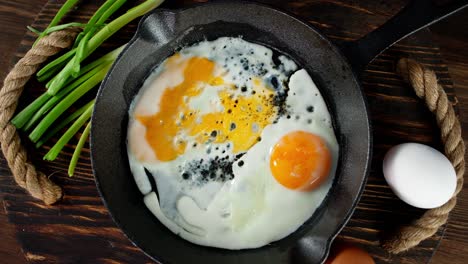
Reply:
x=97 y=20
x=66 y=102
x=79 y=147
x=43 y=103
x=67 y=6
x=62 y=124
x=54 y=100
x=107 y=31
x=43 y=113
x=68 y=81
x=82 y=119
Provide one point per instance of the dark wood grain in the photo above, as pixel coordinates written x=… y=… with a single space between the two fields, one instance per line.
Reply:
x=14 y=16
x=452 y=36
x=80 y=230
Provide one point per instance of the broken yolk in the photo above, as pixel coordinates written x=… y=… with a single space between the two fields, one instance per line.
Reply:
x=300 y=160
x=240 y=122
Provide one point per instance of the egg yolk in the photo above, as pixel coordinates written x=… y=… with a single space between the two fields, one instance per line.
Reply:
x=240 y=122
x=300 y=160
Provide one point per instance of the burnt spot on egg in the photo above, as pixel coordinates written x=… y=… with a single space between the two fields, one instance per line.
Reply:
x=202 y=171
x=185 y=175
x=238 y=156
x=274 y=82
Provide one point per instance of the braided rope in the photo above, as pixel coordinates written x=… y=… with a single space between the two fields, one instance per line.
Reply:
x=424 y=83
x=25 y=174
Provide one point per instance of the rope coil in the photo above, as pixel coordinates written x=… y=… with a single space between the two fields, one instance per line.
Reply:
x=426 y=86
x=24 y=172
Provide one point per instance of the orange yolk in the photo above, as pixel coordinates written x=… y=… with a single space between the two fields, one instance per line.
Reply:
x=241 y=121
x=300 y=160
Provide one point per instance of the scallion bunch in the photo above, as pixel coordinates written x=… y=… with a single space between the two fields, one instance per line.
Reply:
x=67 y=80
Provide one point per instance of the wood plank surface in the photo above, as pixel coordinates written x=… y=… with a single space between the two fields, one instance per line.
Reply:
x=14 y=17
x=79 y=230
x=452 y=36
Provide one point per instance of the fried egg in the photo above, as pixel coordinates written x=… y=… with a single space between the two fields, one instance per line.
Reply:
x=238 y=140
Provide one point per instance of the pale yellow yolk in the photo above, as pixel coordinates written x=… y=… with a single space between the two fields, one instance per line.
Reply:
x=240 y=122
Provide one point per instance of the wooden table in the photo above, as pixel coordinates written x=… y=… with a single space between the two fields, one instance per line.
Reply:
x=451 y=35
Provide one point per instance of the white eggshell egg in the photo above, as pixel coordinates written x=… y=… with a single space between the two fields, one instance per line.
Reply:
x=419 y=175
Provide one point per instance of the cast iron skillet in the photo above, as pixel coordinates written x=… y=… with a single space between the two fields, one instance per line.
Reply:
x=333 y=69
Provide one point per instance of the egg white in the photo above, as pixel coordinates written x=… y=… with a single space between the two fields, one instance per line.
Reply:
x=252 y=209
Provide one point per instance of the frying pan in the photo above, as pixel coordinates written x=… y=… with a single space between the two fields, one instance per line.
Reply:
x=334 y=69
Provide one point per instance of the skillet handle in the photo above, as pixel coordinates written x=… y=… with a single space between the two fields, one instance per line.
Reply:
x=416 y=15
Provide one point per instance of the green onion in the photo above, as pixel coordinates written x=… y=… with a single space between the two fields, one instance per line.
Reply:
x=78 y=148
x=46 y=76
x=42 y=104
x=57 y=63
x=66 y=102
x=101 y=15
x=67 y=81
x=109 y=57
x=34 y=30
x=62 y=11
x=108 y=12
x=22 y=117
x=55 y=150
x=50 y=133
x=87 y=33
x=103 y=34
x=55 y=99
x=94 y=20
x=56 y=28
